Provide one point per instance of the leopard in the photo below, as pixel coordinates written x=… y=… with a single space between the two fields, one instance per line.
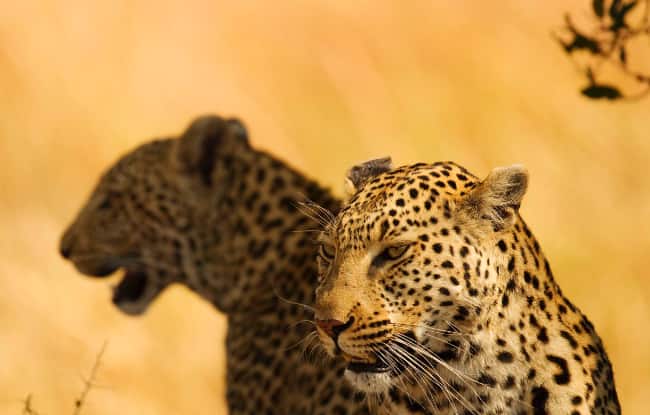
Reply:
x=234 y=224
x=436 y=293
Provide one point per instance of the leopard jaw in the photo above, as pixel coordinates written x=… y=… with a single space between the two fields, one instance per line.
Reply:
x=370 y=382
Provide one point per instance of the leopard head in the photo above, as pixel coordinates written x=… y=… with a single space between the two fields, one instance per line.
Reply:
x=410 y=262
x=145 y=214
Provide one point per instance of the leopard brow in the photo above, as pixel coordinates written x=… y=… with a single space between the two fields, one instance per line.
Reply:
x=396 y=242
x=325 y=238
x=388 y=236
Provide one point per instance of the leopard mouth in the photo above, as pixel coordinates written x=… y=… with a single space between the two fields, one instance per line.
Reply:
x=132 y=293
x=362 y=367
x=379 y=376
x=132 y=285
x=371 y=378
x=381 y=366
x=131 y=288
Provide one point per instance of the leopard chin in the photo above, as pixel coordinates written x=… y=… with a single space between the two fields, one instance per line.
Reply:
x=130 y=294
x=370 y=382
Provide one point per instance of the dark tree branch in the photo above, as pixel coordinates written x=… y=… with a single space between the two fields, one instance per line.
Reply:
x=607 y=43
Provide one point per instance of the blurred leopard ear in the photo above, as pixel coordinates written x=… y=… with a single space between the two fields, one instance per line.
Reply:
x=496 y=200
x=206 y=138
x=358 y=175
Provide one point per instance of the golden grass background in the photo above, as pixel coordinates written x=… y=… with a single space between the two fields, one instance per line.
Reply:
x=323 y=84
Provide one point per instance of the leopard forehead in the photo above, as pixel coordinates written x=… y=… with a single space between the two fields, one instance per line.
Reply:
x=402 y=200
x=147 y=163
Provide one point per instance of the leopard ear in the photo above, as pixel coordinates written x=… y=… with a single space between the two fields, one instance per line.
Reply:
x=207 y=137
x=496 y=200
x=358 y=175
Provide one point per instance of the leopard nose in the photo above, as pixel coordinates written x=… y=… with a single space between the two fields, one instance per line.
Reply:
x=65 y=245
x=65 y=251
x=334 y=328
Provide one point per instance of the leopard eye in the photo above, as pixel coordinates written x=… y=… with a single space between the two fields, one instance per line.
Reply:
x=391 y=253
x=394 y=252
x=327 y=252
x=324 y=260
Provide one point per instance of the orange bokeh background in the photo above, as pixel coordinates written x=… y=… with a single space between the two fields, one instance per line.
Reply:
x=323 y=84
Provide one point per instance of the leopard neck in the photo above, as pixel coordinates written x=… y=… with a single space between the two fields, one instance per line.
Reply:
x=259 y=243
x=524 y=317
x=526 y=286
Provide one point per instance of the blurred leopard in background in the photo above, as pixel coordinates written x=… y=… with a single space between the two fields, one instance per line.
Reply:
x=210 y=212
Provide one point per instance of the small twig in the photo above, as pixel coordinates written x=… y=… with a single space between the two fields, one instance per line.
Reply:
x=27 y=406
x=89 y=382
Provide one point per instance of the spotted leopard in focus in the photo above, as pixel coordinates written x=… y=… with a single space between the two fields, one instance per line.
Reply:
x=433 y=285
x=210 y=212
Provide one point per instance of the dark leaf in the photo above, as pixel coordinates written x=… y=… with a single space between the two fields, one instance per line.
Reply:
x=622 y=55
x=596 y=91
x=627 y=8
x=599 y=7
x=614 y=8
x=579 y=41
x=582 y=42
x=618 y=15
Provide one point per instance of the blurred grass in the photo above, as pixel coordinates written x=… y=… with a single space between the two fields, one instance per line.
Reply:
x=322 y=84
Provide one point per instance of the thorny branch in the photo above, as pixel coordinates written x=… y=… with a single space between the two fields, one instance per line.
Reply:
x=27 y=406
x=89 y=383
x=607 y=42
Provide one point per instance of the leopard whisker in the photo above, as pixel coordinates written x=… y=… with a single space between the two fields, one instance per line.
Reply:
x=408 y=342
x=308 y=338
x=287 y=301
x=427 y=333
x=430 y=377
x=427 y=374
x=388 y=359
x=315 y=212
x=438 y=380
x=312 y=322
